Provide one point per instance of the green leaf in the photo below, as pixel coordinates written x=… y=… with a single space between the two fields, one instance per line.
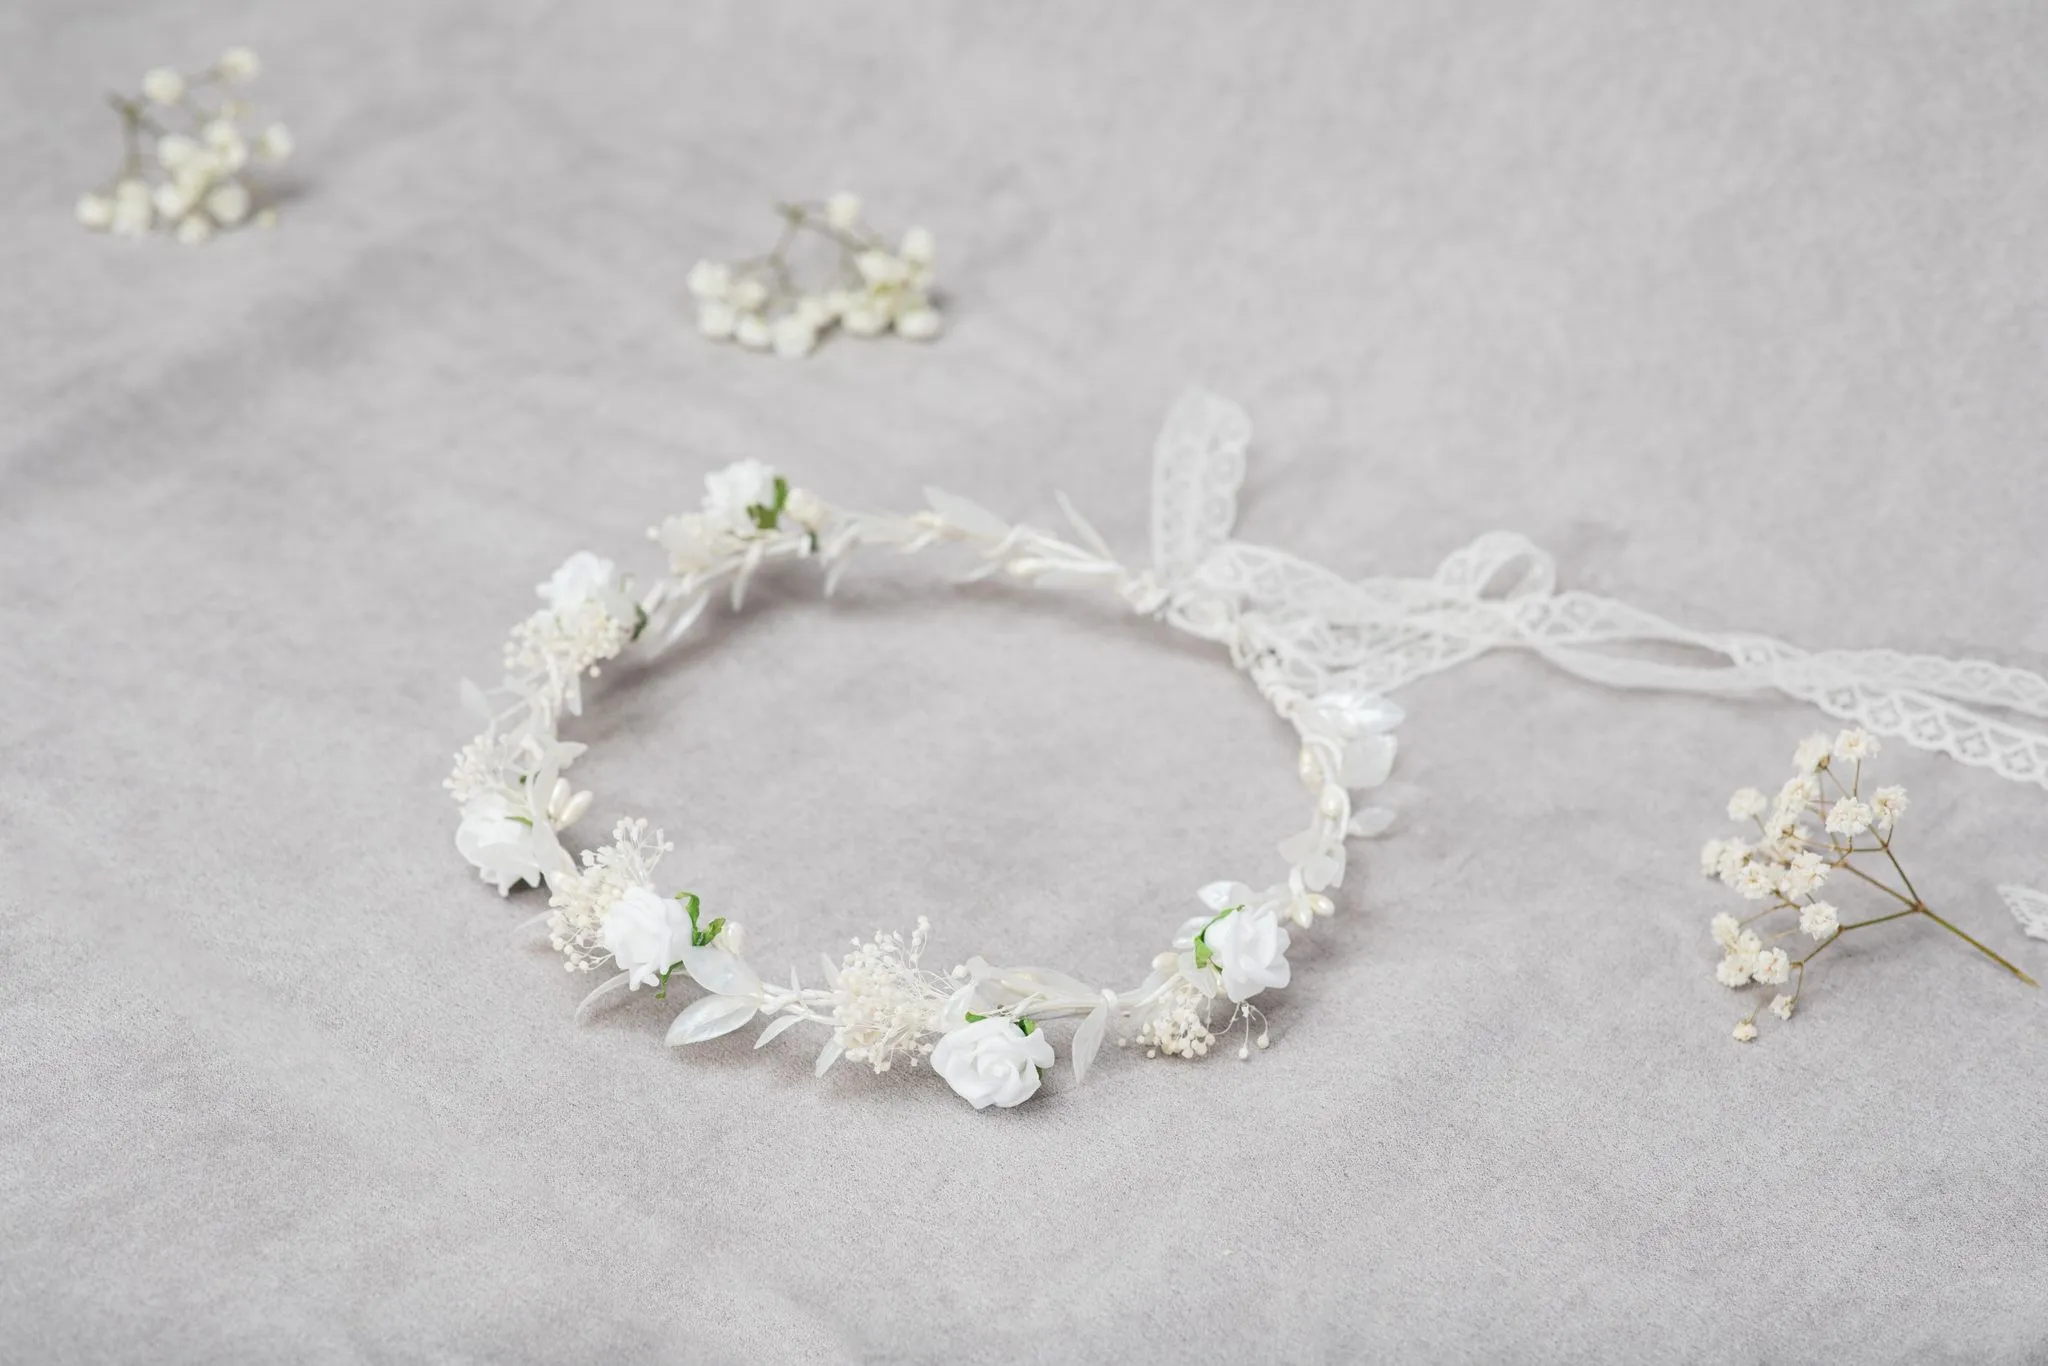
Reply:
x=703 y=937
x=1028 y=1025
x=781 y=493
x=639 y=621
x=973 y=1018
x=1204 y=955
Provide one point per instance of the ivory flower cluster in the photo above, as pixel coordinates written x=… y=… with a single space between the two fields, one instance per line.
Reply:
x=868 y=286
x=188 y=144
x=1789 y=871
x=979 y=1026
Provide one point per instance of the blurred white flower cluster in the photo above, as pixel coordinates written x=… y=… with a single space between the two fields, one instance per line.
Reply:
x=868 y=287
x=187 y=146
x=1785 y=868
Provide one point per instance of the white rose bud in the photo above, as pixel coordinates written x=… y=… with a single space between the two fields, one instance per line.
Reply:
x=495 y=838
x=1249 y=949
x=992 y=1062
x=646 y=934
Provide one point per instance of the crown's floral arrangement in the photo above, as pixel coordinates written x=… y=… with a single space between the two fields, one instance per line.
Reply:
x=1786 y=870
x=869 y=286
x=1323 y=651
x=879 y=1006
x=187 y=145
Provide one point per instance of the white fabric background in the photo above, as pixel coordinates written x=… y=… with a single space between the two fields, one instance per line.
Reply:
x=1736 y=307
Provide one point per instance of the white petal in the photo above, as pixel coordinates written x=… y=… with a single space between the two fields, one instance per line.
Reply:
x=1220 y=895
x=709 y=1018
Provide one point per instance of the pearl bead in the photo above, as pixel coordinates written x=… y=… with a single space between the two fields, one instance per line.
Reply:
x=1332 y=804
x=1166 y=962
x=1310 y=768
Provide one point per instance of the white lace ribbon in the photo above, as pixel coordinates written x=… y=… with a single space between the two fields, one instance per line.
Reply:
x=1303 y=629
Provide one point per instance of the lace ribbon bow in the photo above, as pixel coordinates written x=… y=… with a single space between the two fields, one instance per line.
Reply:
x=1302 y=631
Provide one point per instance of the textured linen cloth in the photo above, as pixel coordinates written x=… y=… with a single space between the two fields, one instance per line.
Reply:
x=1738 y=308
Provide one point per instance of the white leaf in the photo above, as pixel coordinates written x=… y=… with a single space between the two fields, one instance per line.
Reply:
x=776 y=1026
x=720 y=971
x=1359 y=712
x=954 y=1013
x=473 y=702
x=709 y=1018
x=969 y=517
x=611 y=986
x=831 y=971
x=1088 y=1038
x=1368 y=760
x=2029 y=907
x=827 y=1056
x=523 y=934
x=1373 y=820
x=1299 y=849
x=683 y=621
x=1089 y=535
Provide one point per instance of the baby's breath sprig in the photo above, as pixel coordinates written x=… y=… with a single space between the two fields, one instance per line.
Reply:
x=184 y=156
x=870 y=287
x=1788 y=865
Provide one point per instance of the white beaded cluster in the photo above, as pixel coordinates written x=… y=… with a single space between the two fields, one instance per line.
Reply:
x=978 y=1025
x=868 y=288
x=187 y=148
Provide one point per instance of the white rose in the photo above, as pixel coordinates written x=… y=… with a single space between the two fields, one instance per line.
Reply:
x=585 y=577
x=729 y=492
x=646 y=935
x=992 y=1062
x=495 y=836
x=1249 y=948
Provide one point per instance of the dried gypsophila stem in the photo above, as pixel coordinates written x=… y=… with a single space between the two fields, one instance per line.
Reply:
x=185 y=154
x=978 y=1024
x=1788 y=866
x=871 y=287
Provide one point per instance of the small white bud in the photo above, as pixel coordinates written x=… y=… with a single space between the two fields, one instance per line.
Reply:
x=274 y=143
x=919 y=324
x=918 y=246
x=95 y=211
x=752 y=332
x=229 y=203
x=174 y=150
x=163 y=85
x=716 y=320
x=238 y=64
x=794 y=337
x=842 y=210
x=195 y=229
x=710 y=280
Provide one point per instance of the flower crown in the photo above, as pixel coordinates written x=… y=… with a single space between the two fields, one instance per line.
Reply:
x=1322 y=650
